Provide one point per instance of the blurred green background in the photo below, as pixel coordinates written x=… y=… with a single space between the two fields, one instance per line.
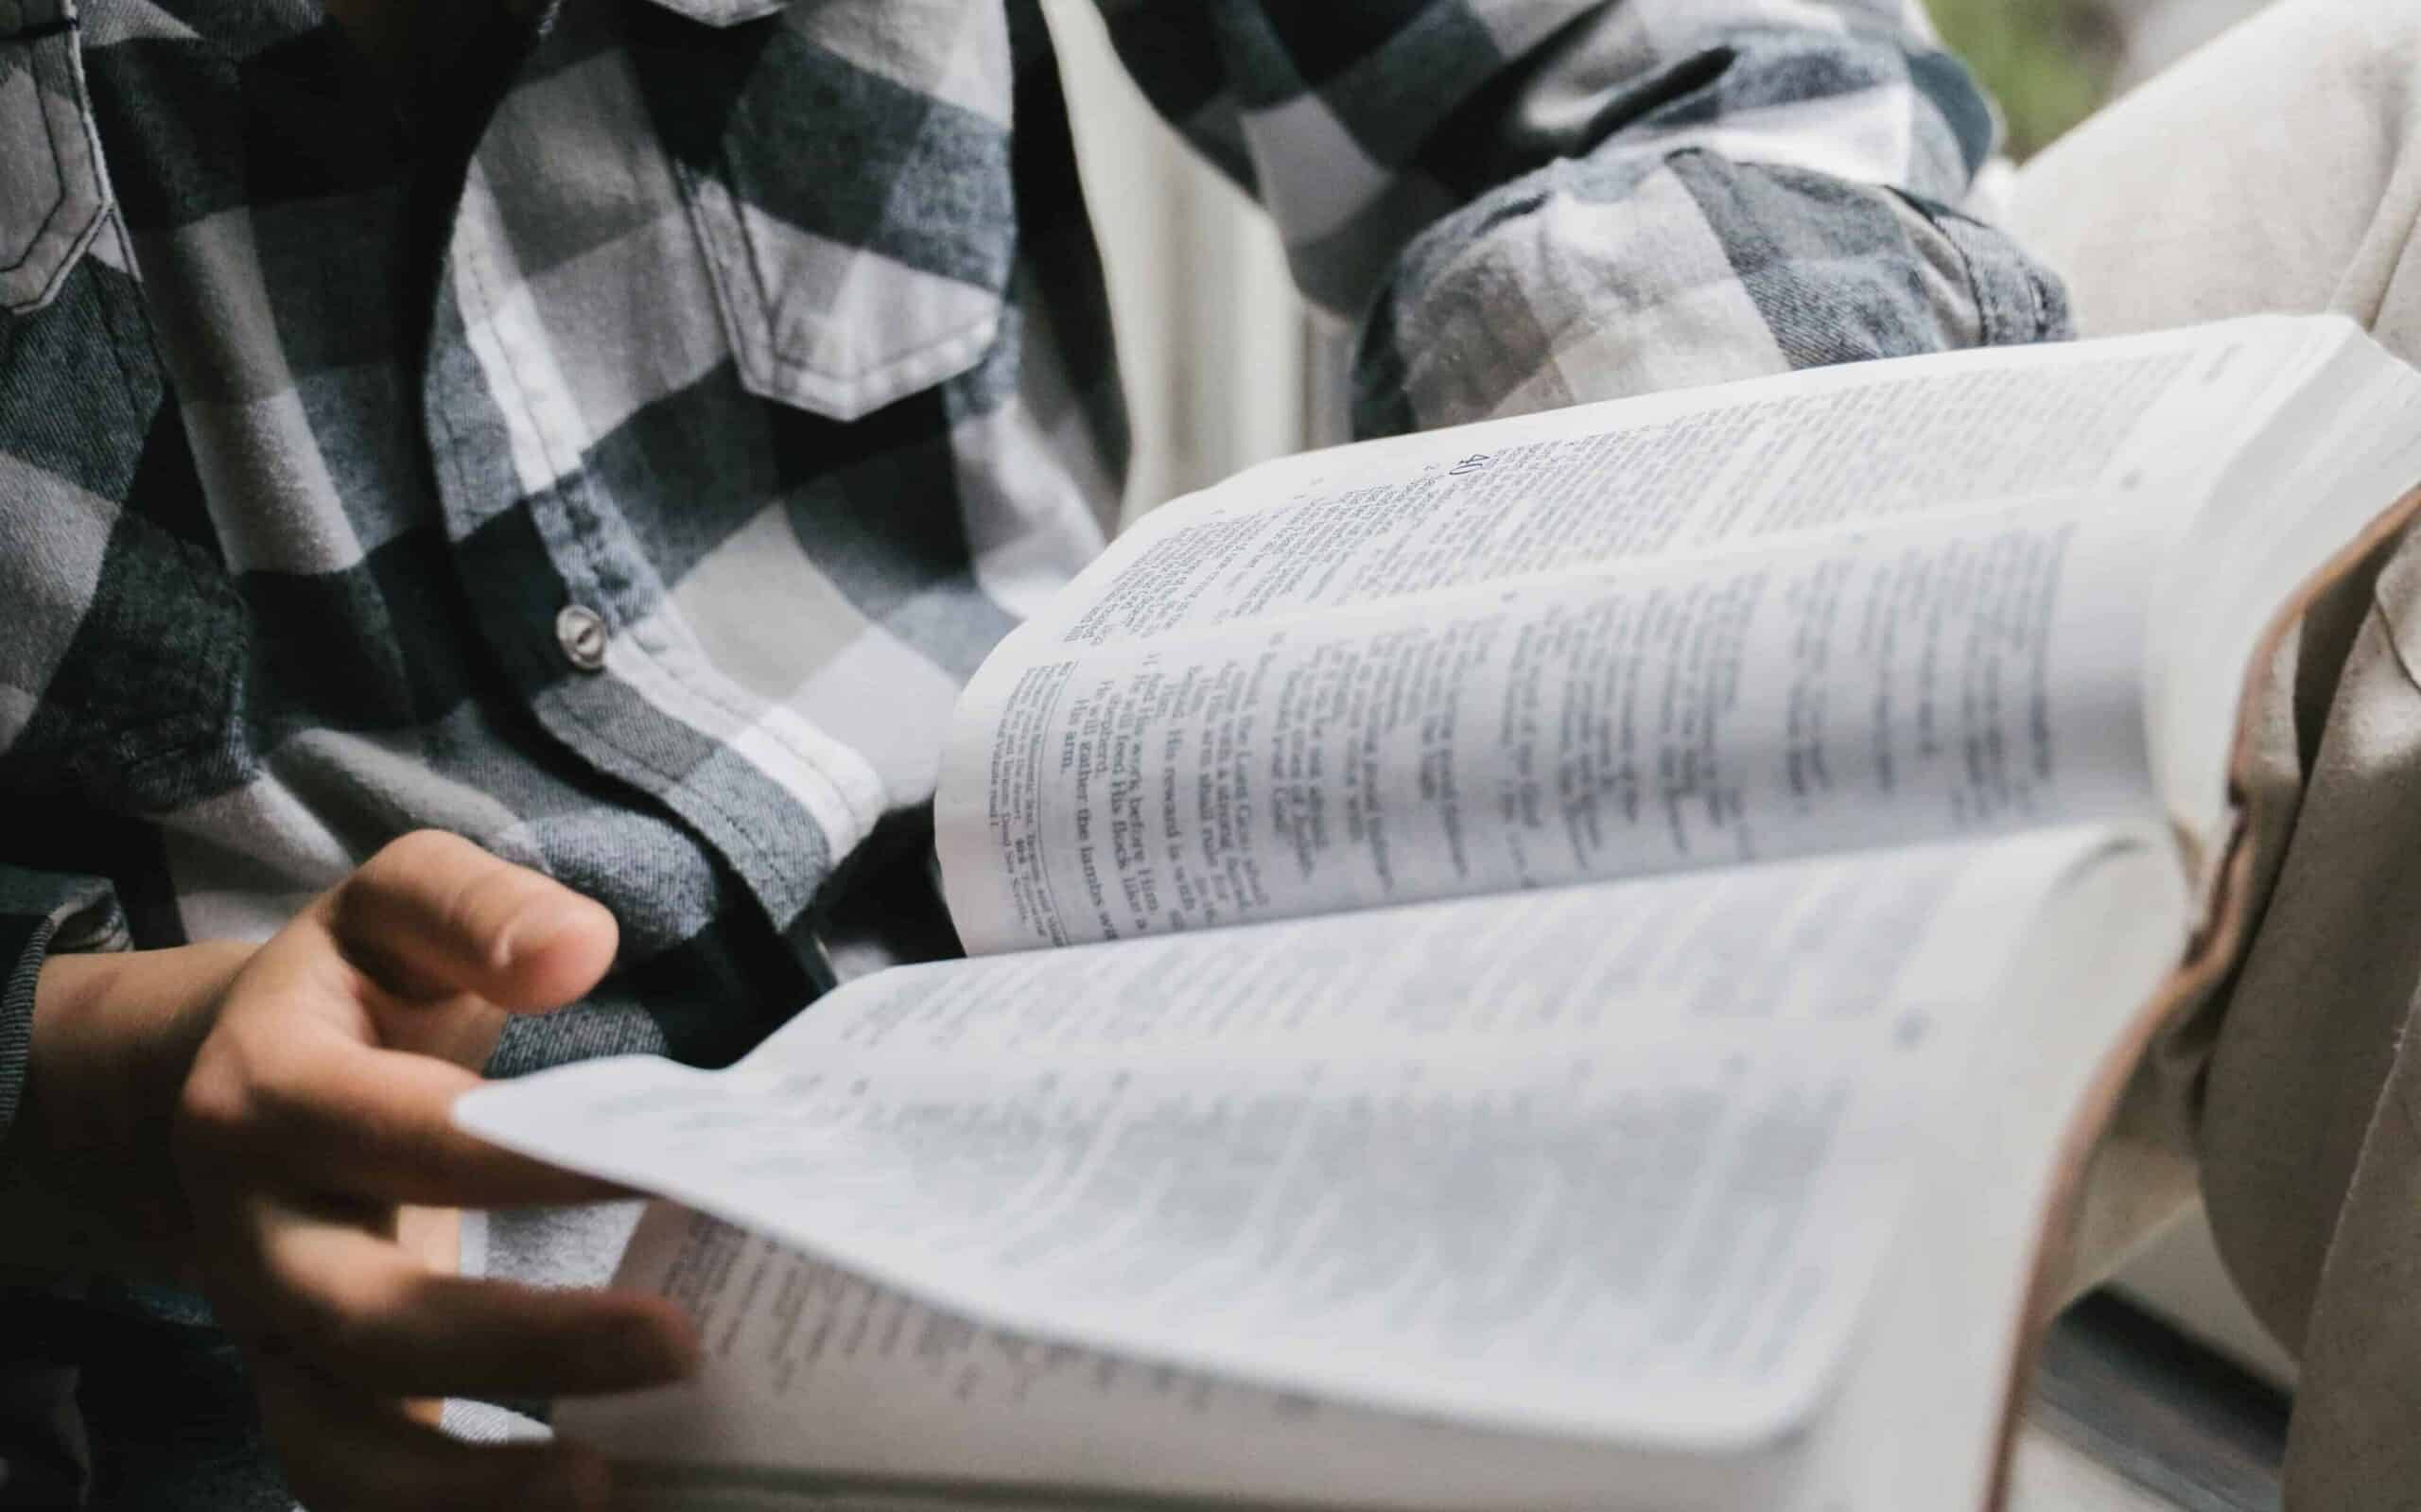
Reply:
x=2051 y=61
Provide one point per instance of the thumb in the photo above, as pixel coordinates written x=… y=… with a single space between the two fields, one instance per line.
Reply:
x=433 y=915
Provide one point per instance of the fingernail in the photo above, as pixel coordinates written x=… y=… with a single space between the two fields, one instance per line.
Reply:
x=536 y=924
x=506 y=945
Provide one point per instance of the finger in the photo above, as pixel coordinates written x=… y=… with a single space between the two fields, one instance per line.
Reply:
x=356 y=1307
x=432 y=915
x=343 y=1453
x=301 y=982
x=311 y=1111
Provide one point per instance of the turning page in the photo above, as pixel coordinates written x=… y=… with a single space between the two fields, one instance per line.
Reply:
x=823 y=1390
x=1856 y=607
x=1615 y=1162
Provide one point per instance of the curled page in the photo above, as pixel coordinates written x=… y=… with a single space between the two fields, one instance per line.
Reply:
x=1614 y=1162
x=826 y=1386
x=1773 y=619
x=1890 y=687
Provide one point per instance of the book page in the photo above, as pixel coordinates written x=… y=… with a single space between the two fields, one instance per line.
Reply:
x=841 y=1392
x=1892 y=686
x=1770 y=620
x=1614 y=1162
x=2315 y=492
x=1948 y=1347
x=1687 y=473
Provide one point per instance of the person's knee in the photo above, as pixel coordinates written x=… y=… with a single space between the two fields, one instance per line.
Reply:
x=2353 y=45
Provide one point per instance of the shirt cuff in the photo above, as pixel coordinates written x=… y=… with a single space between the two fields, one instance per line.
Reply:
x=41 y=912
x=2017 y=301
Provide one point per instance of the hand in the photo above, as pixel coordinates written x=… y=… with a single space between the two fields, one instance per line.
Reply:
x=316 y=1109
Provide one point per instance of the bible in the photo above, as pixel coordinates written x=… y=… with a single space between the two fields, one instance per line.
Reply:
x=1569 y=961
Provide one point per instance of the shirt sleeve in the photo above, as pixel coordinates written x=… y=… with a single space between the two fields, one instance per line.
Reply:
x=41 y=912
x=1525 y=203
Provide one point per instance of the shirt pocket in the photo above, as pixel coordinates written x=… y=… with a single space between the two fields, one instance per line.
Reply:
x=847 y=167
x=51 y=196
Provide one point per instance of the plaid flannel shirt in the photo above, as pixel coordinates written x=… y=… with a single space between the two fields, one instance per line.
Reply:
x=627 y=472
x=626 y=468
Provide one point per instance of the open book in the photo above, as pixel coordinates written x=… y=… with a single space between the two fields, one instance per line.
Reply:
x=1567 y=963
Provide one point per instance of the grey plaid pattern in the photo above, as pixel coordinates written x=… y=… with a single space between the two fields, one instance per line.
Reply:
x=769 y=340
x=625 y=467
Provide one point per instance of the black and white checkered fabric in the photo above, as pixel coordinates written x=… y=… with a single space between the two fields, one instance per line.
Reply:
x=624 y=464
x=624 y=461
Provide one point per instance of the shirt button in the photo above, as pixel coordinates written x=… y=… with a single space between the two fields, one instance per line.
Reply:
x=581 y=631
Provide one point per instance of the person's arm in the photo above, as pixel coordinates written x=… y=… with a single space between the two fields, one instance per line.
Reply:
x=300 y=1092
x=1525 y=203
x=94 y=1044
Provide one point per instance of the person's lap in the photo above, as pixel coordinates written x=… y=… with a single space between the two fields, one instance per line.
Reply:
x=2280 y=170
